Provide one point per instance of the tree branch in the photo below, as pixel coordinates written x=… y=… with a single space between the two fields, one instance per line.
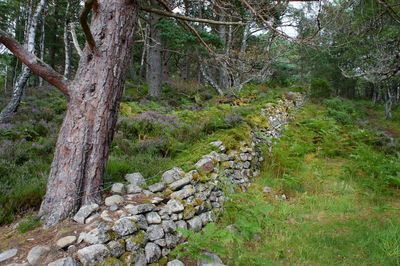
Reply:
x=186 y=18
x=35 y=64
x=83 y=20
x=75 y=39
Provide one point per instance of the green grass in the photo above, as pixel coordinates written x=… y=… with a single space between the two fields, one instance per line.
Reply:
x=342 y=207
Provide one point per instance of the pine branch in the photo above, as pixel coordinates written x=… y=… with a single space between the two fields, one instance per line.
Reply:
x=37 y=66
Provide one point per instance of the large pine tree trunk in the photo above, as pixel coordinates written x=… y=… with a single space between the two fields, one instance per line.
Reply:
x=84 y=141
x=154 y=71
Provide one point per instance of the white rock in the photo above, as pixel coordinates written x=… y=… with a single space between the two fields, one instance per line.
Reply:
x=118 y=188
x=138 y=209
x=174 y=206
x=153 y=218
x=68 y=261
x=157 y=187
x=115 y=199
x=125 y=226
x=175 y=263
x=84 y=212
x=65 y=241
x=155 y=232
x=37 y=254
x=93 y=254
x=133 y=189
x=180 y=183
x=136 y=179
x=153 y=252
x=183 y=193
x=5 y=255
x=195 y=224
x=172 y=175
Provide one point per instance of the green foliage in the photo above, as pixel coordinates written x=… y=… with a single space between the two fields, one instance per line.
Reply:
x=28 y=224
x=342 y=111
x=212 y=237
x=320 y=88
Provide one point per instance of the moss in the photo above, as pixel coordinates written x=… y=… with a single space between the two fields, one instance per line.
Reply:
x=112 y=234
x=138 y=238
x=127 y=258
x=110 y=261
x=189 y=211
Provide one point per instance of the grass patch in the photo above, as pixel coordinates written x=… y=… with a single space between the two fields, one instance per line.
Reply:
x=341 y=207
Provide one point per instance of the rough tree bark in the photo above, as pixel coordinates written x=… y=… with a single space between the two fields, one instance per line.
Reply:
x=154 y=70
x=84 y=140
x=19 y=86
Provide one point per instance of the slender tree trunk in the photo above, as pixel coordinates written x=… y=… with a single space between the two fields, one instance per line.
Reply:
x=67 y=44
x=84 y=141
x=154 y=73
x=42 y=46
x=75 y=39
x=20 y=85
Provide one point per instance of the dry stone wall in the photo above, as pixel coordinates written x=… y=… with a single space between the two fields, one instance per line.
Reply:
x=138 y=226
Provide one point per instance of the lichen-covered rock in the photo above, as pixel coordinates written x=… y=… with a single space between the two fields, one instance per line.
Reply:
x=155 y=232
x=174 y=206
x=92 y=254
x=207 y=217
x=133 y=189
x=115 y=199
x=84 y=212
x=125 y=226
x=138 y=209
x=205 y=165
x=172 y=175
x=67 y=261
x=181 y=225
x=141 y=221
x=118 y=188
x=175 y=263
x=170 y=240
x=98 y=235
x=136 y=242
x=153 y=252
x=195 y=224
x=168 y=226
x=153 y=218
x=189 y=212
x=180 y=183
x=117 y=248
x=183 y=193
x=140 y=259
x=157 y=187
x=65 y=241
x=135 y=179
x=105 y=216
x=160 y=242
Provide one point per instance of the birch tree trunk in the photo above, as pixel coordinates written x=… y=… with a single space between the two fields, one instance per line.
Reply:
x=41 y=46
x=67 y=44
x=20 y=85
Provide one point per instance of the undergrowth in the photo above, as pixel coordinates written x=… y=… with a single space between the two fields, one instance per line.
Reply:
x=333 y=199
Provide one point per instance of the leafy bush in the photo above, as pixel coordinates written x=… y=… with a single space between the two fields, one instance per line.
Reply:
x=342 y=111
x=320 y=88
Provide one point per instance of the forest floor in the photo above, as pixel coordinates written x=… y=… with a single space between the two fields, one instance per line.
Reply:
x=328 y=195
x=328 y=192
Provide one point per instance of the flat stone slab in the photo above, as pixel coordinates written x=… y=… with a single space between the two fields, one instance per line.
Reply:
x=5 y=255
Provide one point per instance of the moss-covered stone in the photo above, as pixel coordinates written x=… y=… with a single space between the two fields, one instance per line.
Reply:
x=110 y=261
x=189 y=212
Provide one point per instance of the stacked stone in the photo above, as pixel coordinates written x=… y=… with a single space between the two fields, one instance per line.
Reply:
x=125 y=233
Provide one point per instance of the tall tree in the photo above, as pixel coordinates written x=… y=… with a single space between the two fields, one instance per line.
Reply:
x=19 y=86
x=94 y=95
